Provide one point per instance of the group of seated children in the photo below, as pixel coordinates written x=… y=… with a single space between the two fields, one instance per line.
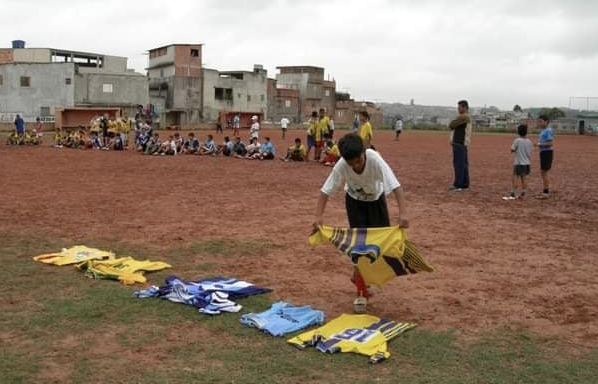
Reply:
x=298 y=152
x=175 y=144
x=252 y=151
x=80 y=139
x=24 y=138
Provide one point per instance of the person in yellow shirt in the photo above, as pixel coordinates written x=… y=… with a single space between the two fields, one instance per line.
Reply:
x=126 y=129
x=311 y=132
x=331 y=152
x=365 y=130
x=322 y=129
x=112 y=126
x=296 y=152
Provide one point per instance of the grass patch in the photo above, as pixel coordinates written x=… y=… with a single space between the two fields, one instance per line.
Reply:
x=53 y=317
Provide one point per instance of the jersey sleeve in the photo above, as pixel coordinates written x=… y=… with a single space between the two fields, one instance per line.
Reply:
x=334 y=181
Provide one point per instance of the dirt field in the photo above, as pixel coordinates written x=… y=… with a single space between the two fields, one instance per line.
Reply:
x=529 y=264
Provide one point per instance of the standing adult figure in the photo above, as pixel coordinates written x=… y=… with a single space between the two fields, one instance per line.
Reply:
x=460 y=138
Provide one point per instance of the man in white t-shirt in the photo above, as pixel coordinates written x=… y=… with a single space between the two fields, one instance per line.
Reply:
x=254 y=131
x=398 y=128
x=284 y=123
x=367 y=179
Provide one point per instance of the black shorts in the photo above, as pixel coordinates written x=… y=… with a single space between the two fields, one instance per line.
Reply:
x=367 y=214
x=546 y=160
x=521 y=170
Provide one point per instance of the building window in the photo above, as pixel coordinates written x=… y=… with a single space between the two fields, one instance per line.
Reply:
x=223 y=93
x=238 y=95
x=67 y=81
x=287 y=103
x=107 y=88
x=327 y=92
x=340 y=113
x=262 y=97
x=248 y=97
x=162 y=72
x=195 y=53
x=25 y=81
x=44 y=111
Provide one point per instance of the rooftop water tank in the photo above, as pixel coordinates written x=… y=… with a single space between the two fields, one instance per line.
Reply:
x=18 y=44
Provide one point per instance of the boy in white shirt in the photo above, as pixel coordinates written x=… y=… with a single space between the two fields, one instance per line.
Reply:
x=284 y=123
x=254 y=131
x=367 y=179
x=522 y=151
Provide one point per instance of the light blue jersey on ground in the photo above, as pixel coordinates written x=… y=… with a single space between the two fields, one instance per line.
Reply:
x=283 y=318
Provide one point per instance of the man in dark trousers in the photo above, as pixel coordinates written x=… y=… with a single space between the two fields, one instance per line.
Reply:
x=461 y=129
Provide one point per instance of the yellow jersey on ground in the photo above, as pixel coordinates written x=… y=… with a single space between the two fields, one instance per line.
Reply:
x=127 y=270
x=363 y=334
x=380 y=254
x=74 y=255
x=365 y=131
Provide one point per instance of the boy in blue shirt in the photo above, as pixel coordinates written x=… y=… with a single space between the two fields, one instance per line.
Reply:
x=267 y=151
x=545 y=143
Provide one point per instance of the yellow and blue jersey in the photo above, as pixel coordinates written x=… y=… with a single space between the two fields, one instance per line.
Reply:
x=380 y=254
x=363 y=334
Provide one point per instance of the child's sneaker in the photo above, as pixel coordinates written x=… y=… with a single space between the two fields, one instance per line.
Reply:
x=543 y=196
x=360 y=305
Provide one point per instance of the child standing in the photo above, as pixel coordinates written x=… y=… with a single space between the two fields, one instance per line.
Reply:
x=522 y=151
x=365 y=130
x=545 y=144
x=367 y=179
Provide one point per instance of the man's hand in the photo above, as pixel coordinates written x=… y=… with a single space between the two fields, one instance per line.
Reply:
x=403 y=222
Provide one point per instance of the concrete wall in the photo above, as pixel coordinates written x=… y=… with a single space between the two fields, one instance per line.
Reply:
x=48 y=88
x=127 y=89
x=164 y=59
x=32 y=55
x=254 y=85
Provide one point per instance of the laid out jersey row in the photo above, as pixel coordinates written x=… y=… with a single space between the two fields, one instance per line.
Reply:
x=379 y=253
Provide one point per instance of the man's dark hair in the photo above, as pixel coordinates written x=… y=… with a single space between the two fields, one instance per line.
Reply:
x=364 y=114
x=350 y=146
x=314 y=114
x=463 y=103
x=267 y=138
x=297 y=141
x=545 y=118
x=522 y=130
x=322 y=110
x=226 y=138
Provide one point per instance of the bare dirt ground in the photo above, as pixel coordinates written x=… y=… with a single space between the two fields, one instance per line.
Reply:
x=530 y=264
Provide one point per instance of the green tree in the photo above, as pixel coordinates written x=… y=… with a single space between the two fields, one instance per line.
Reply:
x=517 y=108
x=552 y=113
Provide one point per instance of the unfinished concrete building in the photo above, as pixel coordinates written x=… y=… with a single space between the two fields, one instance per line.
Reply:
x=175 y=84
x=36 y=81
x=282 y=102
x=347 y=109
x=237 y=91
x=314 y=91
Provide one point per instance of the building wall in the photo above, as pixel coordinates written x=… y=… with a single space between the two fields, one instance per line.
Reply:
x=254 y=85
x=168 y=58
x=185 y=64
x=126 y=89
x=32 y=55
x=48 y=88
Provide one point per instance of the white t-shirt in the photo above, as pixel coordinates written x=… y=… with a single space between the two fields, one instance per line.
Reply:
x=399 y=125
x=377 y=178
x=284 y=123
x=254 y=131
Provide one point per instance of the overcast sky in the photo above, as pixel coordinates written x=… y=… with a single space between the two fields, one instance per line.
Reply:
x=534 y=53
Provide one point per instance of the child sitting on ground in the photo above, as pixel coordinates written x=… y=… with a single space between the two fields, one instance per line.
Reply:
x=239 y=150
x=227 y=147
x=296 y=152
x=168 y=147
x=331 y=152
x=153 y=145
x=58 y=137
x=94 y=141
x=209 y=148
x=142 y=141
x=267 y=151
x=253 y=148
x=179 y=142
x=191 y=144
x=522 y=151
x=115 y=143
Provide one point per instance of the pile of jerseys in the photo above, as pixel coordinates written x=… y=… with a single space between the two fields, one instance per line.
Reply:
x=100 y=264
x=283 y=318
x=210 y=296
x=380 y=254
x=127 y=270
x=362 y=334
